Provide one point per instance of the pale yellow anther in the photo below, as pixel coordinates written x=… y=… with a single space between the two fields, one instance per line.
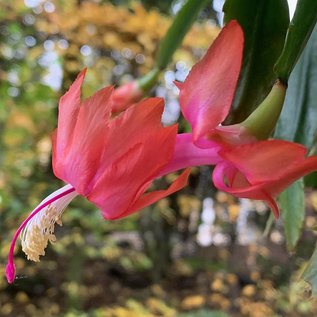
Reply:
x=40 y=231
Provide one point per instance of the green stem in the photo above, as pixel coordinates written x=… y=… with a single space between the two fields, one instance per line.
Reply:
x=171 y=41
x=184 y=19
x=148 y=81
x=268 y=226
x=298 y=33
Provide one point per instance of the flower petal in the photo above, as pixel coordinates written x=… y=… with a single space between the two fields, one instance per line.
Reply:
x=68 y=109
x=262 y=170
x=137 y=148
x=152 y=197
x=266 y=160
x=76 y=153
x=207 y=93
x=237 y=185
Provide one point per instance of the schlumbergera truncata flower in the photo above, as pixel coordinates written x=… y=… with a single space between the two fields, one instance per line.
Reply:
x=112 y=160
x=247 y=165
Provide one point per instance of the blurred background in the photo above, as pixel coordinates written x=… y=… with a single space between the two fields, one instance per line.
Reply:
x=197 y=253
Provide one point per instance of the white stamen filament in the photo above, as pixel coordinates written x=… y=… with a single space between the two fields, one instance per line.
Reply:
x=40 y=229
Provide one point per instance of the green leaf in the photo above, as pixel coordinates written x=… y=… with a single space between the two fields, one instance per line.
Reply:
x=298 y=120
x=292 y=203
x=265 y=23
x=298 y=33
x=310 y=273
x=184 y=19
x=177 y=31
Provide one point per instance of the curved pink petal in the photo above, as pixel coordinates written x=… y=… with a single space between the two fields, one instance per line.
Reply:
x=139 y=127
x=147 y=199
x=265 y=160
x=228 y=179
x=78 y=142
x=137 y=148
x=272 y=204
x=82 y=158
x=208 y=91
x=68 y=109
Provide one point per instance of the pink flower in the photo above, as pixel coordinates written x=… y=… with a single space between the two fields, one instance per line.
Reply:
x=245 y=166
x=110 y=160
x=262 y=170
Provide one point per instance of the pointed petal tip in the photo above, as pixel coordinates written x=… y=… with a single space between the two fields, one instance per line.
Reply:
x=154 y=103
x=83 y=72
x=81 y=76
x=234 y=24
x=275 y=209
x=272 y=204
x=10 y=272
x=75 y=88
